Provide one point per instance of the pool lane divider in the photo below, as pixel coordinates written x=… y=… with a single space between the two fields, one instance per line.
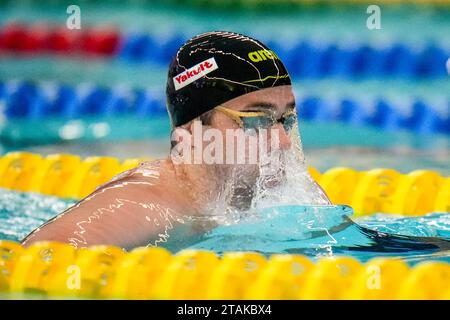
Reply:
x=33 y=100
x=51 y=269
x=380 y=190
x=303 y=58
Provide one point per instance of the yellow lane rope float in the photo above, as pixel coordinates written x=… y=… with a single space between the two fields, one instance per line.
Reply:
x=53 y=269
x=378 y=190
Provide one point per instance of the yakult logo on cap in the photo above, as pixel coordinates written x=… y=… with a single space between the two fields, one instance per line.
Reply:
x=194 y=73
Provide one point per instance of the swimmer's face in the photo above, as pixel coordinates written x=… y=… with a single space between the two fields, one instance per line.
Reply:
x=277 y=102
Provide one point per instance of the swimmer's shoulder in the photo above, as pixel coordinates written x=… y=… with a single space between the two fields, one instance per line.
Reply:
x=144 y=183
x=154 y=176
x=148 y=170
x=151 y=181
x=154 y=180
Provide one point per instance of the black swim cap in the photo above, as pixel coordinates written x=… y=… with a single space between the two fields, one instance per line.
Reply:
x=215 y=67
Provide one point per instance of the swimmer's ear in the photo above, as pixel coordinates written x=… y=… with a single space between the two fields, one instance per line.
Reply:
x=181 y=141
x=192 y=124
x=180 y=135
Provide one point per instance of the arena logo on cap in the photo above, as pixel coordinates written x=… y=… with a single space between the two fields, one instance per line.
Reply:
x=194 y=73
x=261 y=55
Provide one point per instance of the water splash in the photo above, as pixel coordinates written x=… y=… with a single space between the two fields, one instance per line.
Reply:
x=297 y=187
x=311 y=230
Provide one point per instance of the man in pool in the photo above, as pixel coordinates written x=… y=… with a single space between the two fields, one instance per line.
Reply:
x=218 y=82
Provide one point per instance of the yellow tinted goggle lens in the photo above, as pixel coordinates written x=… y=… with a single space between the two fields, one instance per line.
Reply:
x=259 y=119
x=257 y=122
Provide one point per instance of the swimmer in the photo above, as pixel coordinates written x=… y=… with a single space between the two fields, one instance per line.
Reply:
x=217 y=82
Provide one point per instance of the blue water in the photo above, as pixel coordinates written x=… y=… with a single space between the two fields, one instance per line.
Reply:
x=312 y=231
x=330 y=230
x=22 y=212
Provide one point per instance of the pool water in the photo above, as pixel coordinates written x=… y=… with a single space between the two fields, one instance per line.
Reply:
x=308 y=230
x=316 y=232
x=330 y=230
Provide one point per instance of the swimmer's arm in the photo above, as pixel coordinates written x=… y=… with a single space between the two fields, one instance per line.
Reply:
x=126 y=217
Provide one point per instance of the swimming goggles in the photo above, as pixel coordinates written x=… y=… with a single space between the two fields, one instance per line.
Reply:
x=259 y=119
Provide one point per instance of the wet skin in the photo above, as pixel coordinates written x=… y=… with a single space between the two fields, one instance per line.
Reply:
x=142 y=206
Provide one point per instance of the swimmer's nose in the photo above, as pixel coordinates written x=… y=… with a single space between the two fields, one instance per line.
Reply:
x=284 y=138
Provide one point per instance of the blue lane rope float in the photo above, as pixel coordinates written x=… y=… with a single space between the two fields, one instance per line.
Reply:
x=30 y=100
